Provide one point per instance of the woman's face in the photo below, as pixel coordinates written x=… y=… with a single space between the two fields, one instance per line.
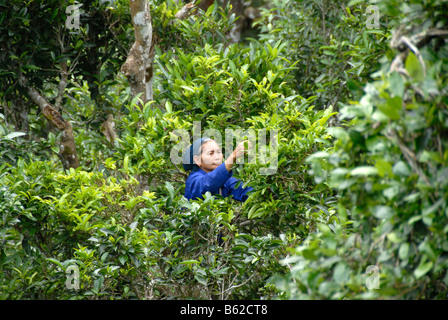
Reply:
x=211 y=156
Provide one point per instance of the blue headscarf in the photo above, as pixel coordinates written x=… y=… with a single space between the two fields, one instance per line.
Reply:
x=193 y=150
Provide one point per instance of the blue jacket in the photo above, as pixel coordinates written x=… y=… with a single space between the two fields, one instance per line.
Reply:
x=199 y=182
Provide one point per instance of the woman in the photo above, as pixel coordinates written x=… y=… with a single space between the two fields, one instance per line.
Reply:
x=209 y=173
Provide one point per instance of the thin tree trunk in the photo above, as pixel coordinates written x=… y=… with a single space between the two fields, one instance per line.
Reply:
x=68 y=152
x=238 y=10
x=138 y=67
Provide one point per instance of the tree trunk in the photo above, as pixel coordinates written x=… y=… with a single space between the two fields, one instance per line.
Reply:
x=238 y=10
x=139 y=63
x=138 y=67
x=68 y=152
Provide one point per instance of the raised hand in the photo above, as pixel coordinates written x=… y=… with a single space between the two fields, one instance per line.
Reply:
x=240 y=150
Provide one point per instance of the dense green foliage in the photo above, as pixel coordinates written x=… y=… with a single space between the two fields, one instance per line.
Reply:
x=388 y=166
x=334 y=50
x=361 y=178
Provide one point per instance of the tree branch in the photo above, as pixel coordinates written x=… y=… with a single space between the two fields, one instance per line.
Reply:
x=404 y=44
x=138 y=65
x=68 y=152
x=61 y=86
x=408 y=154
x=107 y=128
x=186 y=10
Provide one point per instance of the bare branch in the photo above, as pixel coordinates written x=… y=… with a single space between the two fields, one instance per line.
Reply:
x=62 y=85
x=404 y=44
x=68 y=152
x=107 y=128
x=414 y=49
x=408 y=154
x=186 y=10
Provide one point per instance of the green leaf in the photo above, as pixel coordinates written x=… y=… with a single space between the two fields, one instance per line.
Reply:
x=382 y=212
x=396 y=84
x=423 y=269
x=13 y=135
x=434 y=207
x=169 y=107
x=428 y=156
x=317 y=155
x=308 y=253
x=201 y=276
x=58 y=263
x=253 y=210
x=414 y=67
x=394 y=238
x=189 y=263
x=147 y=156
x=353 y=2
x=364 y=171
x=123 y=259
x=403 y=251
x=126 y=163
x=383 y=167
x=97 y=284
x=427 y=249
x=210 y=9
x=170 y=189
x=78 y=44
x=401 y=169
x=341 y=273
x=392 y=108
x=30 y=67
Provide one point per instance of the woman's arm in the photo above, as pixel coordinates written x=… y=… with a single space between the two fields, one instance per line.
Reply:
x=239 y=151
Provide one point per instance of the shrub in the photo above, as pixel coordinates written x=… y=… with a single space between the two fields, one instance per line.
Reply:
x=388 y=167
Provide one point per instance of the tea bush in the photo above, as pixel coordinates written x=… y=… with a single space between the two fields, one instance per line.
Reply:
x=335 y=49
x=388 y=168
